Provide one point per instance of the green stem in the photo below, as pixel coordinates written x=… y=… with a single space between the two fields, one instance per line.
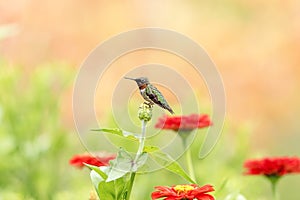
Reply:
x=142 y=140
x=132 y=176
x=274 y=181
x=139 y=152
x=274 y=191
x=188 y=156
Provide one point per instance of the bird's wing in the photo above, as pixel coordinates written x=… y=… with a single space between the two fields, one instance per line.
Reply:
x=156 y=96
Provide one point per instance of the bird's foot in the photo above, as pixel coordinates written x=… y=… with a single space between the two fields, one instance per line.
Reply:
x=150 y=105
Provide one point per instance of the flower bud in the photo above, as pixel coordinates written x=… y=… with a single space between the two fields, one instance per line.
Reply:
x=145 y=112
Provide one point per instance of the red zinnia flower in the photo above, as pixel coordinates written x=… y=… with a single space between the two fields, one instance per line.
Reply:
x=183 y=123
x=183 y=192
x=101 y=159
x=273 y=166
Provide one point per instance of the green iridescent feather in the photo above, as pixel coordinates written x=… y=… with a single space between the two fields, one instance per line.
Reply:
x=156 y=97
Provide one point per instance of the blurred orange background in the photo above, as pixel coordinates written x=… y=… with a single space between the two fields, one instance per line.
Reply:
x=254 y=44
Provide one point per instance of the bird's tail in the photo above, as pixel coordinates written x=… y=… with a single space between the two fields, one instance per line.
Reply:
x=170 y=110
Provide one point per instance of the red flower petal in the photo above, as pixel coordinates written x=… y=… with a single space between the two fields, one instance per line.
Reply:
x=205 y=188
x=278 y=166
x=205 y=197
x=101 y=159
x=179 y=192
x=185 y=123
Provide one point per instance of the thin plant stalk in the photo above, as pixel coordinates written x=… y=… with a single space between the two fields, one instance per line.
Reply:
x=139 y=152
x=274 y=191
x=132 y=176
x=188 y=157
x=142 y=139
x=274 y=181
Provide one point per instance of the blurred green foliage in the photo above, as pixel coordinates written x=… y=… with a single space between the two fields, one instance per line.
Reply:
x=34 y=144
x=35 y=147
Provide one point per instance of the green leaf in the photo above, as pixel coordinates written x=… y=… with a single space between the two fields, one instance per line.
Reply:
x=116 y=189
x=166 y=161
x=119 y=132
x=99 y=170
x=113 y=182
x=125 y=163
x=120 y=166
x=150 y=149
x=113 y=190
x=96 y=178
x=140 y=161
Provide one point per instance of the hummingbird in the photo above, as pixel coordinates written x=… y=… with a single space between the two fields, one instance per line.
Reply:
x=151 y=94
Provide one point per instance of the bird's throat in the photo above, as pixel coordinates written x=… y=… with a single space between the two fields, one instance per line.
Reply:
x=141 y=87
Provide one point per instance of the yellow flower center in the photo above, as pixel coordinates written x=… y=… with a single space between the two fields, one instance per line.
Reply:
x=183 y=188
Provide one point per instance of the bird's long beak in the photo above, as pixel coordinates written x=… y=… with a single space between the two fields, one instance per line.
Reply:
x=130 y=78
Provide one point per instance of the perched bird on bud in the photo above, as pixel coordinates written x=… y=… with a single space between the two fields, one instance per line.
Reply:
x=151 y=94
